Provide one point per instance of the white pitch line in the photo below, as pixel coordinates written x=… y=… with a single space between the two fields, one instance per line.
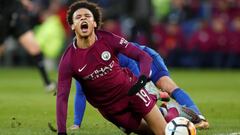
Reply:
x=234 y=133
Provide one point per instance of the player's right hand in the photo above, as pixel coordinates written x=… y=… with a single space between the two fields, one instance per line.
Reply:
x=142 y=80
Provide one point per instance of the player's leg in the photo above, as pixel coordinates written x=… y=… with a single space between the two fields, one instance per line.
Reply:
x=155 y=121
x=21 y=30
x=162 y=80
x=152 y=89
x=171 y=110
x=181 y=97
x=79 y=107
x=152 y=124
x=130 y=111
x=145 y=104
x=168 y=85
x=160 y=77
x=28 y=41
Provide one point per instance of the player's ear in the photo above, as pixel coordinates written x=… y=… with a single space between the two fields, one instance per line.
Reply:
x=72 y=27
x=95 y=24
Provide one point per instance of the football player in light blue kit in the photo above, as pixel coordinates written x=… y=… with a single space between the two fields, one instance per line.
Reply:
x=159 y=76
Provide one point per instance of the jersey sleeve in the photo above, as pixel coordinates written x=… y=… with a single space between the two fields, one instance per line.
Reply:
x=120 y=45
x=64 y=84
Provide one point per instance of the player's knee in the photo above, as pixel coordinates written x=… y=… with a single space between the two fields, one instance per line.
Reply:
x=166 y=84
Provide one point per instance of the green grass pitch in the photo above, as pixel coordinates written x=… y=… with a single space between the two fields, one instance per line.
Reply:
x=25 y=108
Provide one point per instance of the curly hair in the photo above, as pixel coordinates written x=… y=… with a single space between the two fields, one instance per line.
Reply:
x=94 y=8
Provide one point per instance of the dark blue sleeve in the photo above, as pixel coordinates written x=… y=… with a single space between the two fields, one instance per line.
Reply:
x=146 y=49
x=79 y=104
x=129 y=63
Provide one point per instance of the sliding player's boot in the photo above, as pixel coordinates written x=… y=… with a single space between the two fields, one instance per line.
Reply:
x=202 y=124
x=189 y=114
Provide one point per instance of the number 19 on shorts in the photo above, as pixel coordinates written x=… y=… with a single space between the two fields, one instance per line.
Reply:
x=144 y=96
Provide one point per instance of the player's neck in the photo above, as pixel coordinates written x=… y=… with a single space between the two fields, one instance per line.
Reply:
x=85 y=42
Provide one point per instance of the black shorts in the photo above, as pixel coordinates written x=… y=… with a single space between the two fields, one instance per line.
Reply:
x=14 y=21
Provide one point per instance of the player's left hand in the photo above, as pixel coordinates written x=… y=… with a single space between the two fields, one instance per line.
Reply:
x=142 y=80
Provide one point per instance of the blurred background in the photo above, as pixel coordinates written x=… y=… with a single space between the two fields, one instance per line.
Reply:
x=186 y=33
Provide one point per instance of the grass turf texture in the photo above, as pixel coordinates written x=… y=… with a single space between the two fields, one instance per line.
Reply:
x=25 y=108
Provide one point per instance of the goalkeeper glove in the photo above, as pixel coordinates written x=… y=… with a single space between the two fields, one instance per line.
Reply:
x=142 y=80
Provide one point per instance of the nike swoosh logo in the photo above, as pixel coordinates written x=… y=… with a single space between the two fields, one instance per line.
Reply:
x=148 y=104
x=81 y=69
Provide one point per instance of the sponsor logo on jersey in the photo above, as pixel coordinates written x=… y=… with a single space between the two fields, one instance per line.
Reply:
x=106 y=55
x=100 y=72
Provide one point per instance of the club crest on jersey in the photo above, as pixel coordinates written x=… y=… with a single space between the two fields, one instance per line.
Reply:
x=106 y=55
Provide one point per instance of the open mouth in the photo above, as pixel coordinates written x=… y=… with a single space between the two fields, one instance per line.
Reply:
x=84 y=26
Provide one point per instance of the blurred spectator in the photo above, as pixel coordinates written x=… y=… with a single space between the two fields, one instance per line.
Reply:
x=226 y=9
x=113 y=26
x=140 y=11
x=50 y=33
x=62 y=12
x=113 y=8
x=161 y=9
x=234 y=45
x=200 y=46
x=158 y=36
x=183 y=10
x=173 y=45
x=220 y=34
x=187 y=13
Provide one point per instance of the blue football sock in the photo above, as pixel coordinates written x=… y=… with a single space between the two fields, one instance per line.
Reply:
x=184 y=99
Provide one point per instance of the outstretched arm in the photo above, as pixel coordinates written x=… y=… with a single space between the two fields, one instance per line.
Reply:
x=64 y=84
